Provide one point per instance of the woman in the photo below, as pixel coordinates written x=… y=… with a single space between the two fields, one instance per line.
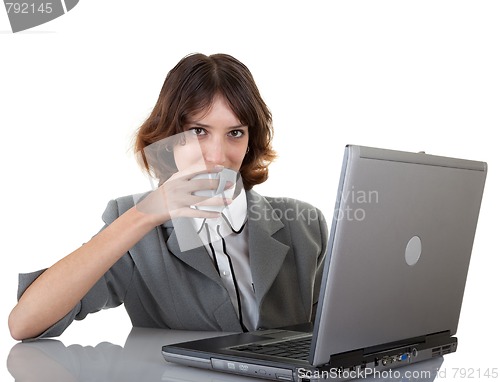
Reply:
x=260 y=268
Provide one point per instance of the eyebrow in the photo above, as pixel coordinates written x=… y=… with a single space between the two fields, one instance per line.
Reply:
x=208 y=126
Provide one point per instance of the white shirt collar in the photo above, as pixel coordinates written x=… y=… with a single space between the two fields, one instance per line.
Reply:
x=233 y=216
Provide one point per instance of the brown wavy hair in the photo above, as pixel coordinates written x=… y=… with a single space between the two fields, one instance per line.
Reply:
x=190 y=87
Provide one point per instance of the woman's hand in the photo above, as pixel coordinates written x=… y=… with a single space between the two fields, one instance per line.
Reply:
x=176 y=197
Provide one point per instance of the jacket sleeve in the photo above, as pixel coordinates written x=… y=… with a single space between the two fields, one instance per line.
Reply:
x=108 y=292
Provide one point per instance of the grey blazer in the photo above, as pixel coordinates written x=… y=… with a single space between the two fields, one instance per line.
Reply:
x=163 y=287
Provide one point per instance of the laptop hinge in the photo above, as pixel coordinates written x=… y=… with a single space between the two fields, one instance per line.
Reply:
x=403 y=348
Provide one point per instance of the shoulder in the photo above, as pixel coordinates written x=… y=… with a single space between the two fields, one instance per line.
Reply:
x=291 y=205
x=296 y=214
x=282 y=206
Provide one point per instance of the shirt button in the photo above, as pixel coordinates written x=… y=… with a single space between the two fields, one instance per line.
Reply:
x=225 y=273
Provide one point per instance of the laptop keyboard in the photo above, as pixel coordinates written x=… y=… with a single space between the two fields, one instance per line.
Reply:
x=296 y=349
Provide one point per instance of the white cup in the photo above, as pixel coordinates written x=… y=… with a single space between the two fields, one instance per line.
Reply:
x=224 y=176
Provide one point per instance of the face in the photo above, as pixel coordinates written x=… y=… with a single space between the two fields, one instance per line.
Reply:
x=213 y=137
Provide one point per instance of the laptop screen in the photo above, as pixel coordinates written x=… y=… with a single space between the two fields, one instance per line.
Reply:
x=399 y=249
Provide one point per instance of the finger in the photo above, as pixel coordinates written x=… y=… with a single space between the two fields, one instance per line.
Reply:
x=202 y=184
x=216 y=201
x=194 y=213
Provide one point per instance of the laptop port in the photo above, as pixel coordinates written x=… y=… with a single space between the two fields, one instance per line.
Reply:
x=403 y=357
x=386 y=360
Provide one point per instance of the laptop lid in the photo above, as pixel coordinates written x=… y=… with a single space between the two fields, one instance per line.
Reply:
x=400 y=245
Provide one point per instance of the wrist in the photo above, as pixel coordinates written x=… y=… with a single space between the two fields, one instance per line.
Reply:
x=145 y=220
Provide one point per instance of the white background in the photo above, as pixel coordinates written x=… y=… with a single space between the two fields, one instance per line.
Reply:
x=409 y=75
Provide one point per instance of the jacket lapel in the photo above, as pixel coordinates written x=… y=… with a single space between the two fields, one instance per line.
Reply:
x=196 y=256
x=266 y=253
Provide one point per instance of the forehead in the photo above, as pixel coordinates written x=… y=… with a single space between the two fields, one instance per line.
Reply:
x=219 y=110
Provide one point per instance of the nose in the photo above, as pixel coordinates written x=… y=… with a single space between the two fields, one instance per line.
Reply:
x=214 y=152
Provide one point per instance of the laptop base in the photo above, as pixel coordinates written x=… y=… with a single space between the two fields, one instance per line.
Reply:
x=342 y=367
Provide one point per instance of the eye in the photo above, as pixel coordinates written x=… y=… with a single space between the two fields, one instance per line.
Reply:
x=198 y=131
x=236 y=133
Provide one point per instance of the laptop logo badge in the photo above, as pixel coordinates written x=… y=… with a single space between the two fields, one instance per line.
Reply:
x=413 y=250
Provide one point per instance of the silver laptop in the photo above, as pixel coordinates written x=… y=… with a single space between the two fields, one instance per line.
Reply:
x=394 y=278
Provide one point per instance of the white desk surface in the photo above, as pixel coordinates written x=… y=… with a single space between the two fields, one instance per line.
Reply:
x=140 y=359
